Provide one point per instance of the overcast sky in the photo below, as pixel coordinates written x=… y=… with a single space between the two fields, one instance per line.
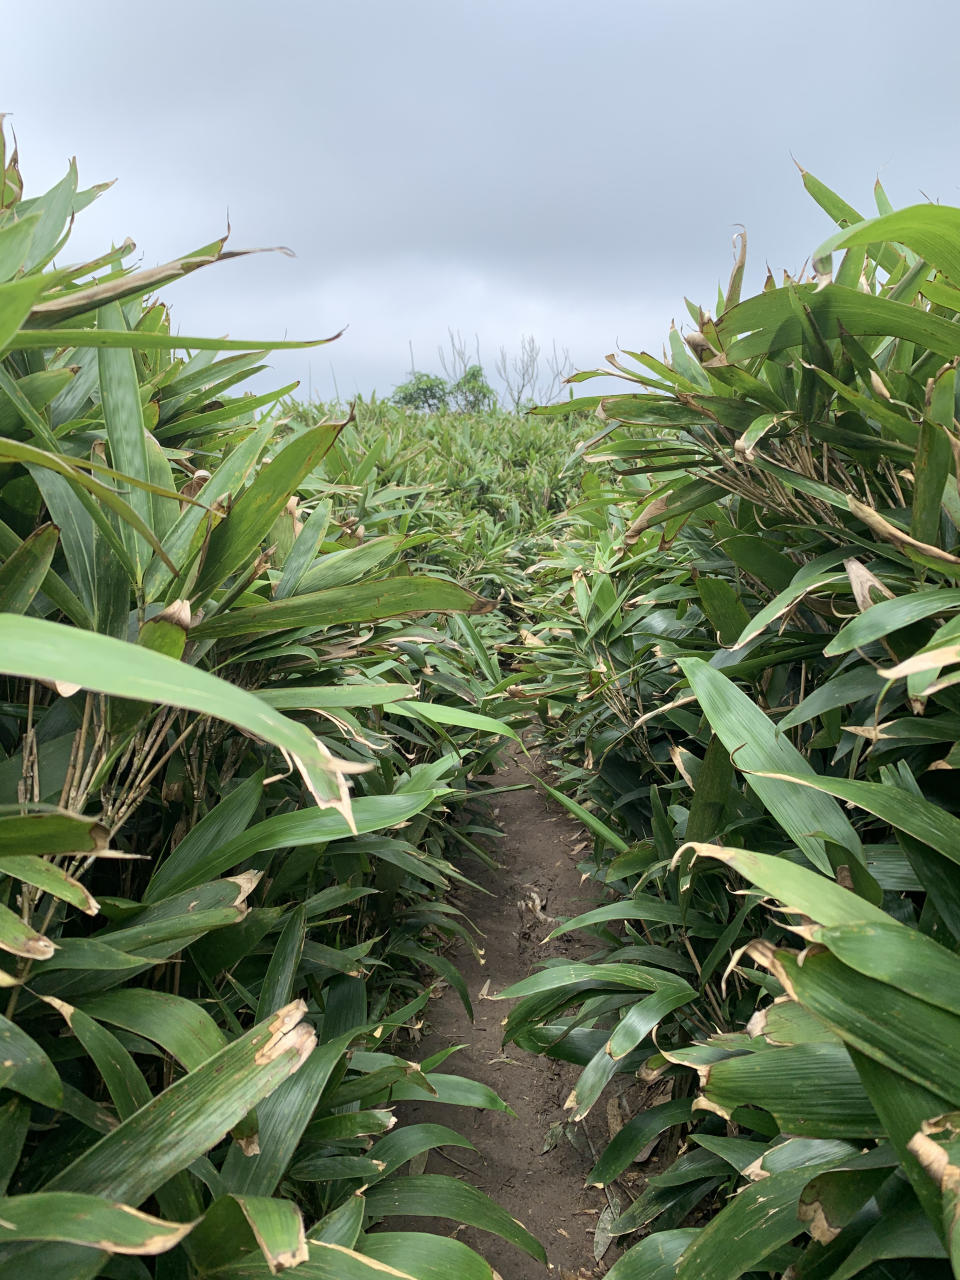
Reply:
x=563 y=168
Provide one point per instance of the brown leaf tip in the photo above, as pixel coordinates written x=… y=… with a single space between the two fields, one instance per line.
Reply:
x=178 y=613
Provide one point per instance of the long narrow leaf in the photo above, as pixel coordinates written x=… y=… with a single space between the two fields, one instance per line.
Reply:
x=43 y=650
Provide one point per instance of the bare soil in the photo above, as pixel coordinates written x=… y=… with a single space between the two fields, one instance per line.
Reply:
x=544 y=1189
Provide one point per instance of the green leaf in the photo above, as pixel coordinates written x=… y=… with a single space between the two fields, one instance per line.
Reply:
x=338 y=568
x=643 y=907
x=237 y=538
x=784 y=1022
x=124 y=1080
x=772 y=325
x=46 y=830
x=14 y=1124
x=329 y=1260
x=757 y=1221
x=92 y=492
x=178 y=542
x=634 y=1136
x=655 y=1258
x=453 y=1091
x=804 y=583
x=931 y=231
x=435 y=1196
x=899 y=956
x=37 y=649
x=672 y=502
x=850 y=686
x=912 y=814
x=193 y=1114
x=739 y=1153
x=198 y=425
x=909 y=1036
x=931 y=468
x=23 y=573
x=903 y=1231
x=180 y=1026
x=574 y=974
x=426 y=1257
x=70 y=1218
x=758 y=749
x=101 y=580
x=903 y=1107
x=342 y=1226
x=139 y=340
x=410 y=1140
x=640 y=1020
x=334 y=697
x=21 y=400
x=50 y=878
x=26 y=1069
x=303 y=551
x=181 y=917
x=16 y=299
x=362 y=602
x=123 y=417
x=335 y=1168
x=441 y=965
x=282 y=1119
x=887 y=616
x=223 y=823
x=714 y=782
x=440 y=713
x=16 y=238
x=801 y=890
x=233 y=1226
x=20 y=939
x=307 y=826
x=54 y=587
x=589 y=820
x=278 y=982
x=722 y=605
x=809 y=1089
x=347 y=1124
x=54 y=209
x=763 y=562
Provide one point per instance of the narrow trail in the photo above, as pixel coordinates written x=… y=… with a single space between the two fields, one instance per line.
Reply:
x=537 y=879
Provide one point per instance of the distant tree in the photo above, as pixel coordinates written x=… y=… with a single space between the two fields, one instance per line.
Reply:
x=424 y=392
x=472 y=393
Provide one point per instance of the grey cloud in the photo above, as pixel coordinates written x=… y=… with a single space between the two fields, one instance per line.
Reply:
x=492 y=166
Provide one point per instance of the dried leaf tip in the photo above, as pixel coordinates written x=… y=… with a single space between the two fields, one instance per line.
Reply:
x=178 y=613
x=933 y=1157
x=288 y=1031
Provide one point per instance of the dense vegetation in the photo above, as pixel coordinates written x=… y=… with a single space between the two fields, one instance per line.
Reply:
x=749 y=673
x=235 y=722
x=258 y=659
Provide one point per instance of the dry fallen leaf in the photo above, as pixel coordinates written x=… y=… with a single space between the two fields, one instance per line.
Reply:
x=604 y=1237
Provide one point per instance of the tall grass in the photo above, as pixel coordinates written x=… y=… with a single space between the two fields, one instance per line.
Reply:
x=251 y=662
x=746 y=664
x=240 y=696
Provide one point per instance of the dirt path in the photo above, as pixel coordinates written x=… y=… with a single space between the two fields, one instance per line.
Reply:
x=544 y=1190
